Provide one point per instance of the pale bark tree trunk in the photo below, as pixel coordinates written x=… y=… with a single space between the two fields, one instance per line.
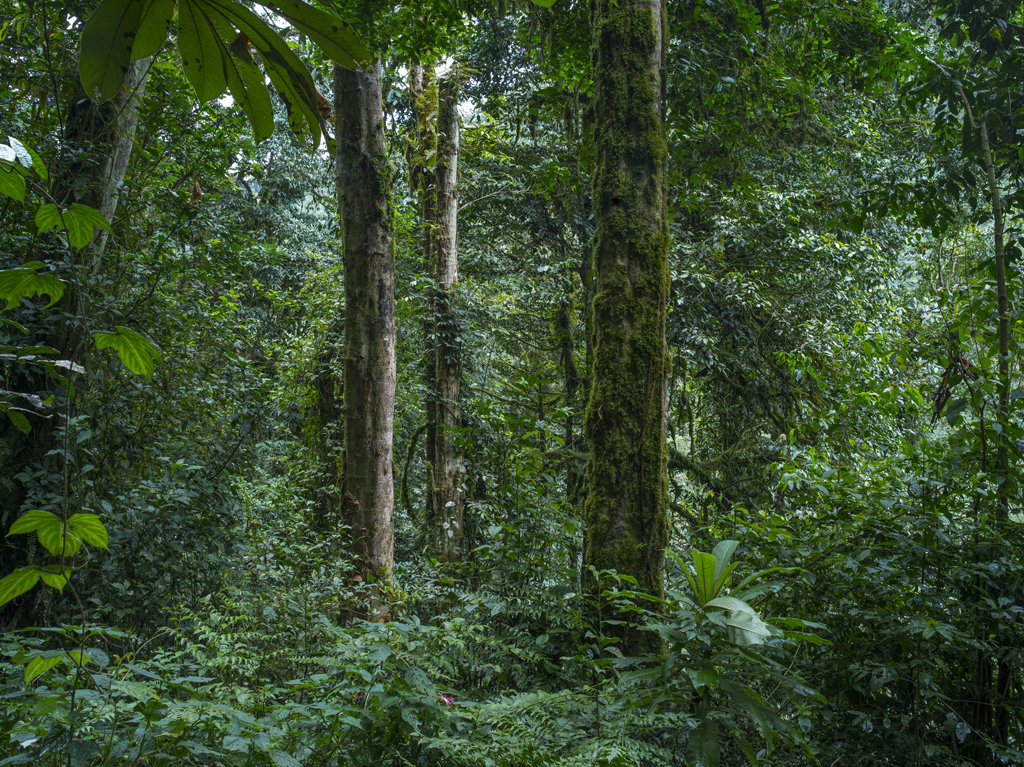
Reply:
x=449 y=534
x=106 y=133
x=422 y=156
x=626 y=508
x=364 y=211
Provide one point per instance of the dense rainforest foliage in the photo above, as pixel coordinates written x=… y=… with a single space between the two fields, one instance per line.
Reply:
x=497 y=383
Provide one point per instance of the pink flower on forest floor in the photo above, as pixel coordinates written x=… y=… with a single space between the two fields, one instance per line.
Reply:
x=447 y=701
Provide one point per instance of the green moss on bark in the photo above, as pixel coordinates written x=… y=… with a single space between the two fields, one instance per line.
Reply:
x=626 y=509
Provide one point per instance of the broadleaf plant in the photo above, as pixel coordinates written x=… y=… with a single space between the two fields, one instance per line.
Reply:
x=214 y=40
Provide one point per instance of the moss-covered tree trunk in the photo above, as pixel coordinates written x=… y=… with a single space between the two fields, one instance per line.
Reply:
x=447 y=485
x=626 y=508
x=364 y=211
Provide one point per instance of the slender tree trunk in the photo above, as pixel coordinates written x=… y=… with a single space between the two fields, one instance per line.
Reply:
x=102 y=136
x=423 y=89
x=449 y=533
x=1004 y=667
x=364 y=211
x=626 y=508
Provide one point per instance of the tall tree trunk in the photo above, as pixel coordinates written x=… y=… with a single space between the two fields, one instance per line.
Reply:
x=449 y=534
x=364 y=212
x=102 y=136
x=1004 y=667
x=626 y=508
x=423 y=90
x=98 y=141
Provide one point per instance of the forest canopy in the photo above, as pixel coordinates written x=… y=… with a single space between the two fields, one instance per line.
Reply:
x=507 y=382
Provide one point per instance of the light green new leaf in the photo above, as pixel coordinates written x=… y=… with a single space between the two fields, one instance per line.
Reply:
x=22 y=281
x=544 y=3
x=47 y=218
x=137 y=690
x=723 y=553
x=50 y=530
x=12 y=183
x=137 y=353
x=56 y=579
x=153 y=27
x=40 y=665
x=333 y=36
x=203 y=53
x=704 y=576
x=106 y=47
x=18 y=582
x=81 y=223
x=88 y=528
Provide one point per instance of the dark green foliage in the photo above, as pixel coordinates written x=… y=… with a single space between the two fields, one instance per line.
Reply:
x=834 y=410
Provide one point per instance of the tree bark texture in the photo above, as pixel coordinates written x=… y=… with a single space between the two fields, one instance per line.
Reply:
x=364 y=211
x=423 y=90
x=449 y=534
x=626 y=507
x=103 y=136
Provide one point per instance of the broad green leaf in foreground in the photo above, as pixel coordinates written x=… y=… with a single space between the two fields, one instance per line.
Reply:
x=137 y=353
x=18 y=582
x=215 y=58
x=80 y=222
x=23 y=282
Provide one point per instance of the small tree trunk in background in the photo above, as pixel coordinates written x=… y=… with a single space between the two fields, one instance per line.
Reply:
x=423 y=89
x=106 y=133
x=100 y=139
x=626 y=507
x=1004 y=667
x=448 y=496
x=364 y=212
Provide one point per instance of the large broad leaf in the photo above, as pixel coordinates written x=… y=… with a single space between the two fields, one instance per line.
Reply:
x=88 y=528
x=18 y=582
x=703 y=748
x=288 y=74
x=246 y=82
x=22 y=282
x=333 y=36
x=56 y=577
x=744 y=626
x=42 y=663
x=50 y=530
x=137 y=353
x=153 y=28
x=203 y=53
x=79 y=221
x=17 y=417
x=106 y=48
x=723 y=553
x=12 y=183
x=746 y=629
x=703 y=576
